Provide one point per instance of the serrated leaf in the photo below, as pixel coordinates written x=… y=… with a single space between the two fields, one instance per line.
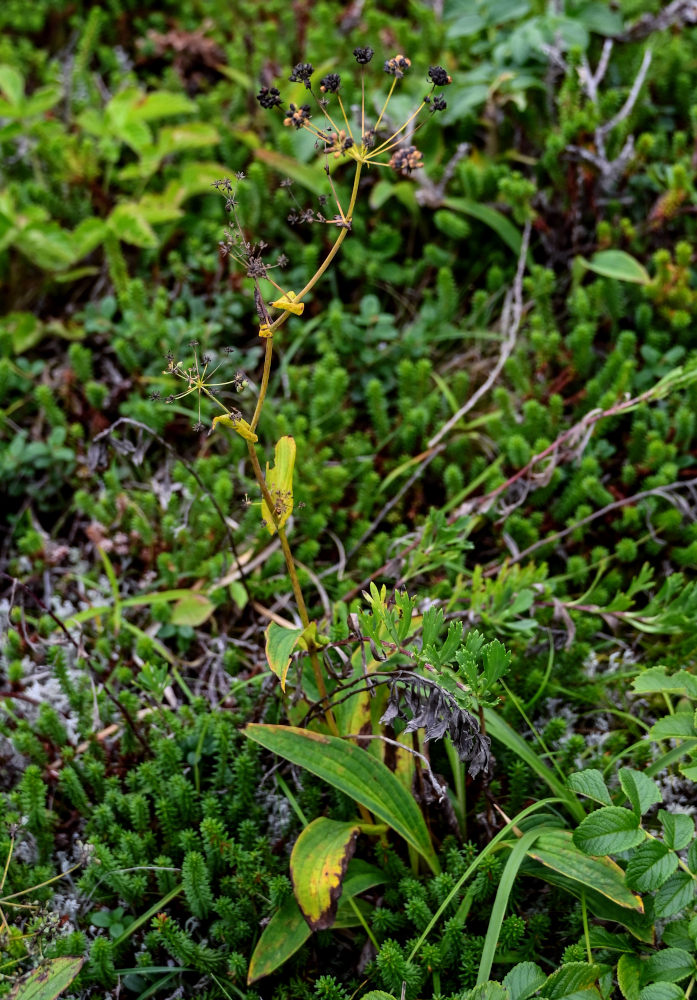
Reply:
x=591 y=784
x=570 y=979
x=656 y=680
x=47 y=245
x=557 y=851
x=674 y=895
x=674 y=727
x=669 y=965
x=629 y=976
x=128 y=224
x=318 y=864
x=650 y=866
x=192 y=609
x=49 y=980
x=281 y=643
x=662 y=991
x=354 y=772
x=641 y=791
x=609 y=830
x=488 y=991
x=678 y=829
x=617 y=264
x=523 y=980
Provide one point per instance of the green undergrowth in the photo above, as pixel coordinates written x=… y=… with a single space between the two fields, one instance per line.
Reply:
x=491 y=394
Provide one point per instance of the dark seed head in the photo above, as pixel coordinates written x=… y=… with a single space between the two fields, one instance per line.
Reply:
x=363 y=55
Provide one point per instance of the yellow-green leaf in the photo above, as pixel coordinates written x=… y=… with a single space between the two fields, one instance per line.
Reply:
x=279 y=481
x=317 y=867
x=280 y=644
x=49 y=980
x=192 y=609
x=237 y=424
x=617 y=264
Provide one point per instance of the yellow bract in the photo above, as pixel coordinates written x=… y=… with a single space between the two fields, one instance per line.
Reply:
x=237 y=424
x=288 y=303
x=265 y=330
x=279 y=481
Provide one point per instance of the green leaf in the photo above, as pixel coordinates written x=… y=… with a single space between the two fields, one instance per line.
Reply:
x=128 y=223
x=11 y=84
x=555 y=849
x=570 y=979
x=651 y=865
x=608 y=830
x=49 y=980
x=590 y=783
x=523 y=980
x=88 y=235
x=641 y=791
x=377 y=995
x=490 y=217
x=192 y=609
x=674 y=727
x=318 y=864
x=313 y=178
x=280 y=645
x=354 y=772
x=629 y=976
x=674 y=895
x=47 y=245
x=488 y=991
x=662 y=991
x=656 y=680
x=618 y=265
x=678 y=829
x=669 y=965
x=158 y=104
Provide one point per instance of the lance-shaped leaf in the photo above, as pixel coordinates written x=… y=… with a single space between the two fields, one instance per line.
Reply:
x=280 y=645
x=354 y=772
x=49 y=980
x=318 y=864
x=279 y=481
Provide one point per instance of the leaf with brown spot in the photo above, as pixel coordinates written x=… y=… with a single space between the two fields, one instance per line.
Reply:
x=317 y=867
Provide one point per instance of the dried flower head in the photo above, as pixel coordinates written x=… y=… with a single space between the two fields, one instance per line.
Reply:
x=363 y=55
x=297 y=116
x=302 y=71
x=330 y=83
x=406 y=159
x=439 y=76
x=269 y=97
x=397 y=66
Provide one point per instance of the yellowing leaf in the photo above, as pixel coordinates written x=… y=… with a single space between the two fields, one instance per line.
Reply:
x=279 y=481
x=192 y=609
x=317 y=866
x=288 y=303
x=280 y=645
x=237 y=424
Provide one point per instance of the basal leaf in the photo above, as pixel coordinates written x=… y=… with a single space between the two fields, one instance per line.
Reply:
x=48 y=980
x=355 y=773
x=318 y=863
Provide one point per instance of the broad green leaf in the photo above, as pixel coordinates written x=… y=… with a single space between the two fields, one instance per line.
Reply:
x=655 y=680
x=47 y=245
x=608 y=830
x=662 y=991
x=196 y=178
x=127 y=223
x=680 y=726
x=88 y=235
x=318 y=864
x=288 y=930
x=188 y=135
x=377 y=995
x=41 y=101
x=678 y=829
x=192 y=609
x=629 y=976
x=650 y=866
x=280 y=645
x=48 y=980
x=556 y=850
x=570 y=979
x=641 y=791
x=24 y=328
x=311 y=177
x=618 y=265
x=674 y=895
x=355 y=773
x=279 y=482
x=158 y=104
x=676 y=934
x=11 y=84
x=523 y=980
x=590 y=783
x=669 y=965
x=488 y=991
x=490 y=217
